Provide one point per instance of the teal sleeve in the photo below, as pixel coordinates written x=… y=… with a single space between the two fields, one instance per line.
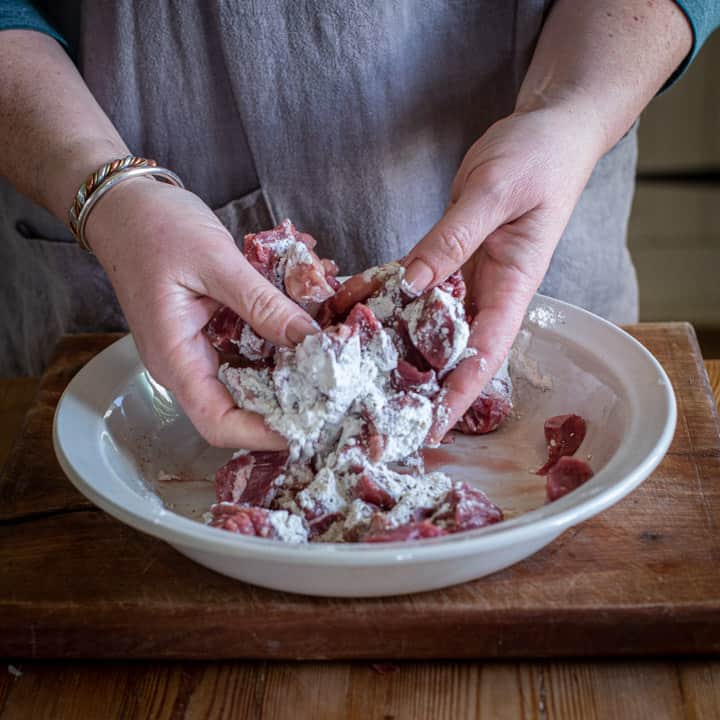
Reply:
x=704 y=17
x=22 y=15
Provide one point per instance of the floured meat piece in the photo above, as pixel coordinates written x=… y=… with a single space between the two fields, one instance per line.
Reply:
x=564 y=435
x=405 y=533
x=392 y=293
x=305 y=277
x=400 y=423
x=232 y=478
x=250 y=478
x=417 y=495
x=315 y=386
x=466 y=508
x=331 y=271
x=283 y=250
x=224 y=329
x=322 y=502
x=408 y=378
x=350 y=401
x=455 y=286
x=231 y=335
x=457 y=509
x=370 y=490
x=382 y=288
x=491 y=407
x=363 y=322
x=258 y=522
x=437 y=325
x=566 y=475
x=353 y=290
x=286 y=258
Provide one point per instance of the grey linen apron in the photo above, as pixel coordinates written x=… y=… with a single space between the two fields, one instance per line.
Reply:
x=350 y=118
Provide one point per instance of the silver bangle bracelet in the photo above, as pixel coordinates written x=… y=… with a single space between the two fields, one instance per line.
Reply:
x=159 y=173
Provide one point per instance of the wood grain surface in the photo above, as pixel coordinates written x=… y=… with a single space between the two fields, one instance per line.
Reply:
x=713 y=371
x=638 y=579
x=69 y=690
x=356 y=691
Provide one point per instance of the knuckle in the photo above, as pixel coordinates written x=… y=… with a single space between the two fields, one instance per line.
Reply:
x=265 y=307
x=455 y=243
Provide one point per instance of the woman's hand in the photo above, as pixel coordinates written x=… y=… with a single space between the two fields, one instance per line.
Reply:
x=172 y=263
x=510 y=202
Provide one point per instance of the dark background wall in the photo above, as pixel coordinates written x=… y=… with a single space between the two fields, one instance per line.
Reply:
x=675 y=224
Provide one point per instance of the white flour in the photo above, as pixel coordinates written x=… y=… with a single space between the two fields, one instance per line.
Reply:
x=419 y=495
x=289 y=528
x=545 y=317
x=250 y=344
x=385 y=304
x=522 y=365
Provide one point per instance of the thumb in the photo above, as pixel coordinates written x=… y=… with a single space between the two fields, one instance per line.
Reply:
x=474 y=215
x=270 y=313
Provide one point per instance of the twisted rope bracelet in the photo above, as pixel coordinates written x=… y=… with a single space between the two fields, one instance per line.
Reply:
x=103 y=180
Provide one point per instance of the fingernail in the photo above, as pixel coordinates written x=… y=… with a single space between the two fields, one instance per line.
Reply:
x=300 y=329
x=441 y=423
x=418 y=276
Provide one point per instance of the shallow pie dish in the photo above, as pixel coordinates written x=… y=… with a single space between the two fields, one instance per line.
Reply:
x=127 y=446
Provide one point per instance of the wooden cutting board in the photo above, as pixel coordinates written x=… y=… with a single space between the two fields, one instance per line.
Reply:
x=643 y=578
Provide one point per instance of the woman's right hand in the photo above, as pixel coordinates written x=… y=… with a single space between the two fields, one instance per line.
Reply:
x=172 y=264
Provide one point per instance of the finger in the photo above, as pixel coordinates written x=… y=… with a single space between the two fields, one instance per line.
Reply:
x=476 y=213
x=235 y=283
x=191 y=375
x=502 y=296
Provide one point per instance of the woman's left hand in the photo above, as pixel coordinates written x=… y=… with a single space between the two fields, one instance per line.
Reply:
x=510 y=202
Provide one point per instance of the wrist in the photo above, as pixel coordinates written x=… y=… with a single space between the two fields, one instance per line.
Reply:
x=115 y=212
x=571 y=110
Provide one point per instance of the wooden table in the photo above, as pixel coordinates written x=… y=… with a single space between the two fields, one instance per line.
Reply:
x=671 y=688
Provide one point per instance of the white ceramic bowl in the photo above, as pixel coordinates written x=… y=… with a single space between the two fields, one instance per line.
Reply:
x=115 y=429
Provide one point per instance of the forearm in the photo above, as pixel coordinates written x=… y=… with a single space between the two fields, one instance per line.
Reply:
x=605 y=60
x=52 y=131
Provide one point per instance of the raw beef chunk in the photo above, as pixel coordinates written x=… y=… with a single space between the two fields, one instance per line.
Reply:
x=305 y=278
x=408 y=378
x=466 y=508
x=404 y=533
x=455 y=286
x=370 y=490
x=285 y=257
x=486 y=414
x=437 y=327
x=224 y=330
x=491 y=407
x=250 y=478
x=259 y=522
x=564 y=435
x=567 y=474
x=242 y=520
x=362 y=321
